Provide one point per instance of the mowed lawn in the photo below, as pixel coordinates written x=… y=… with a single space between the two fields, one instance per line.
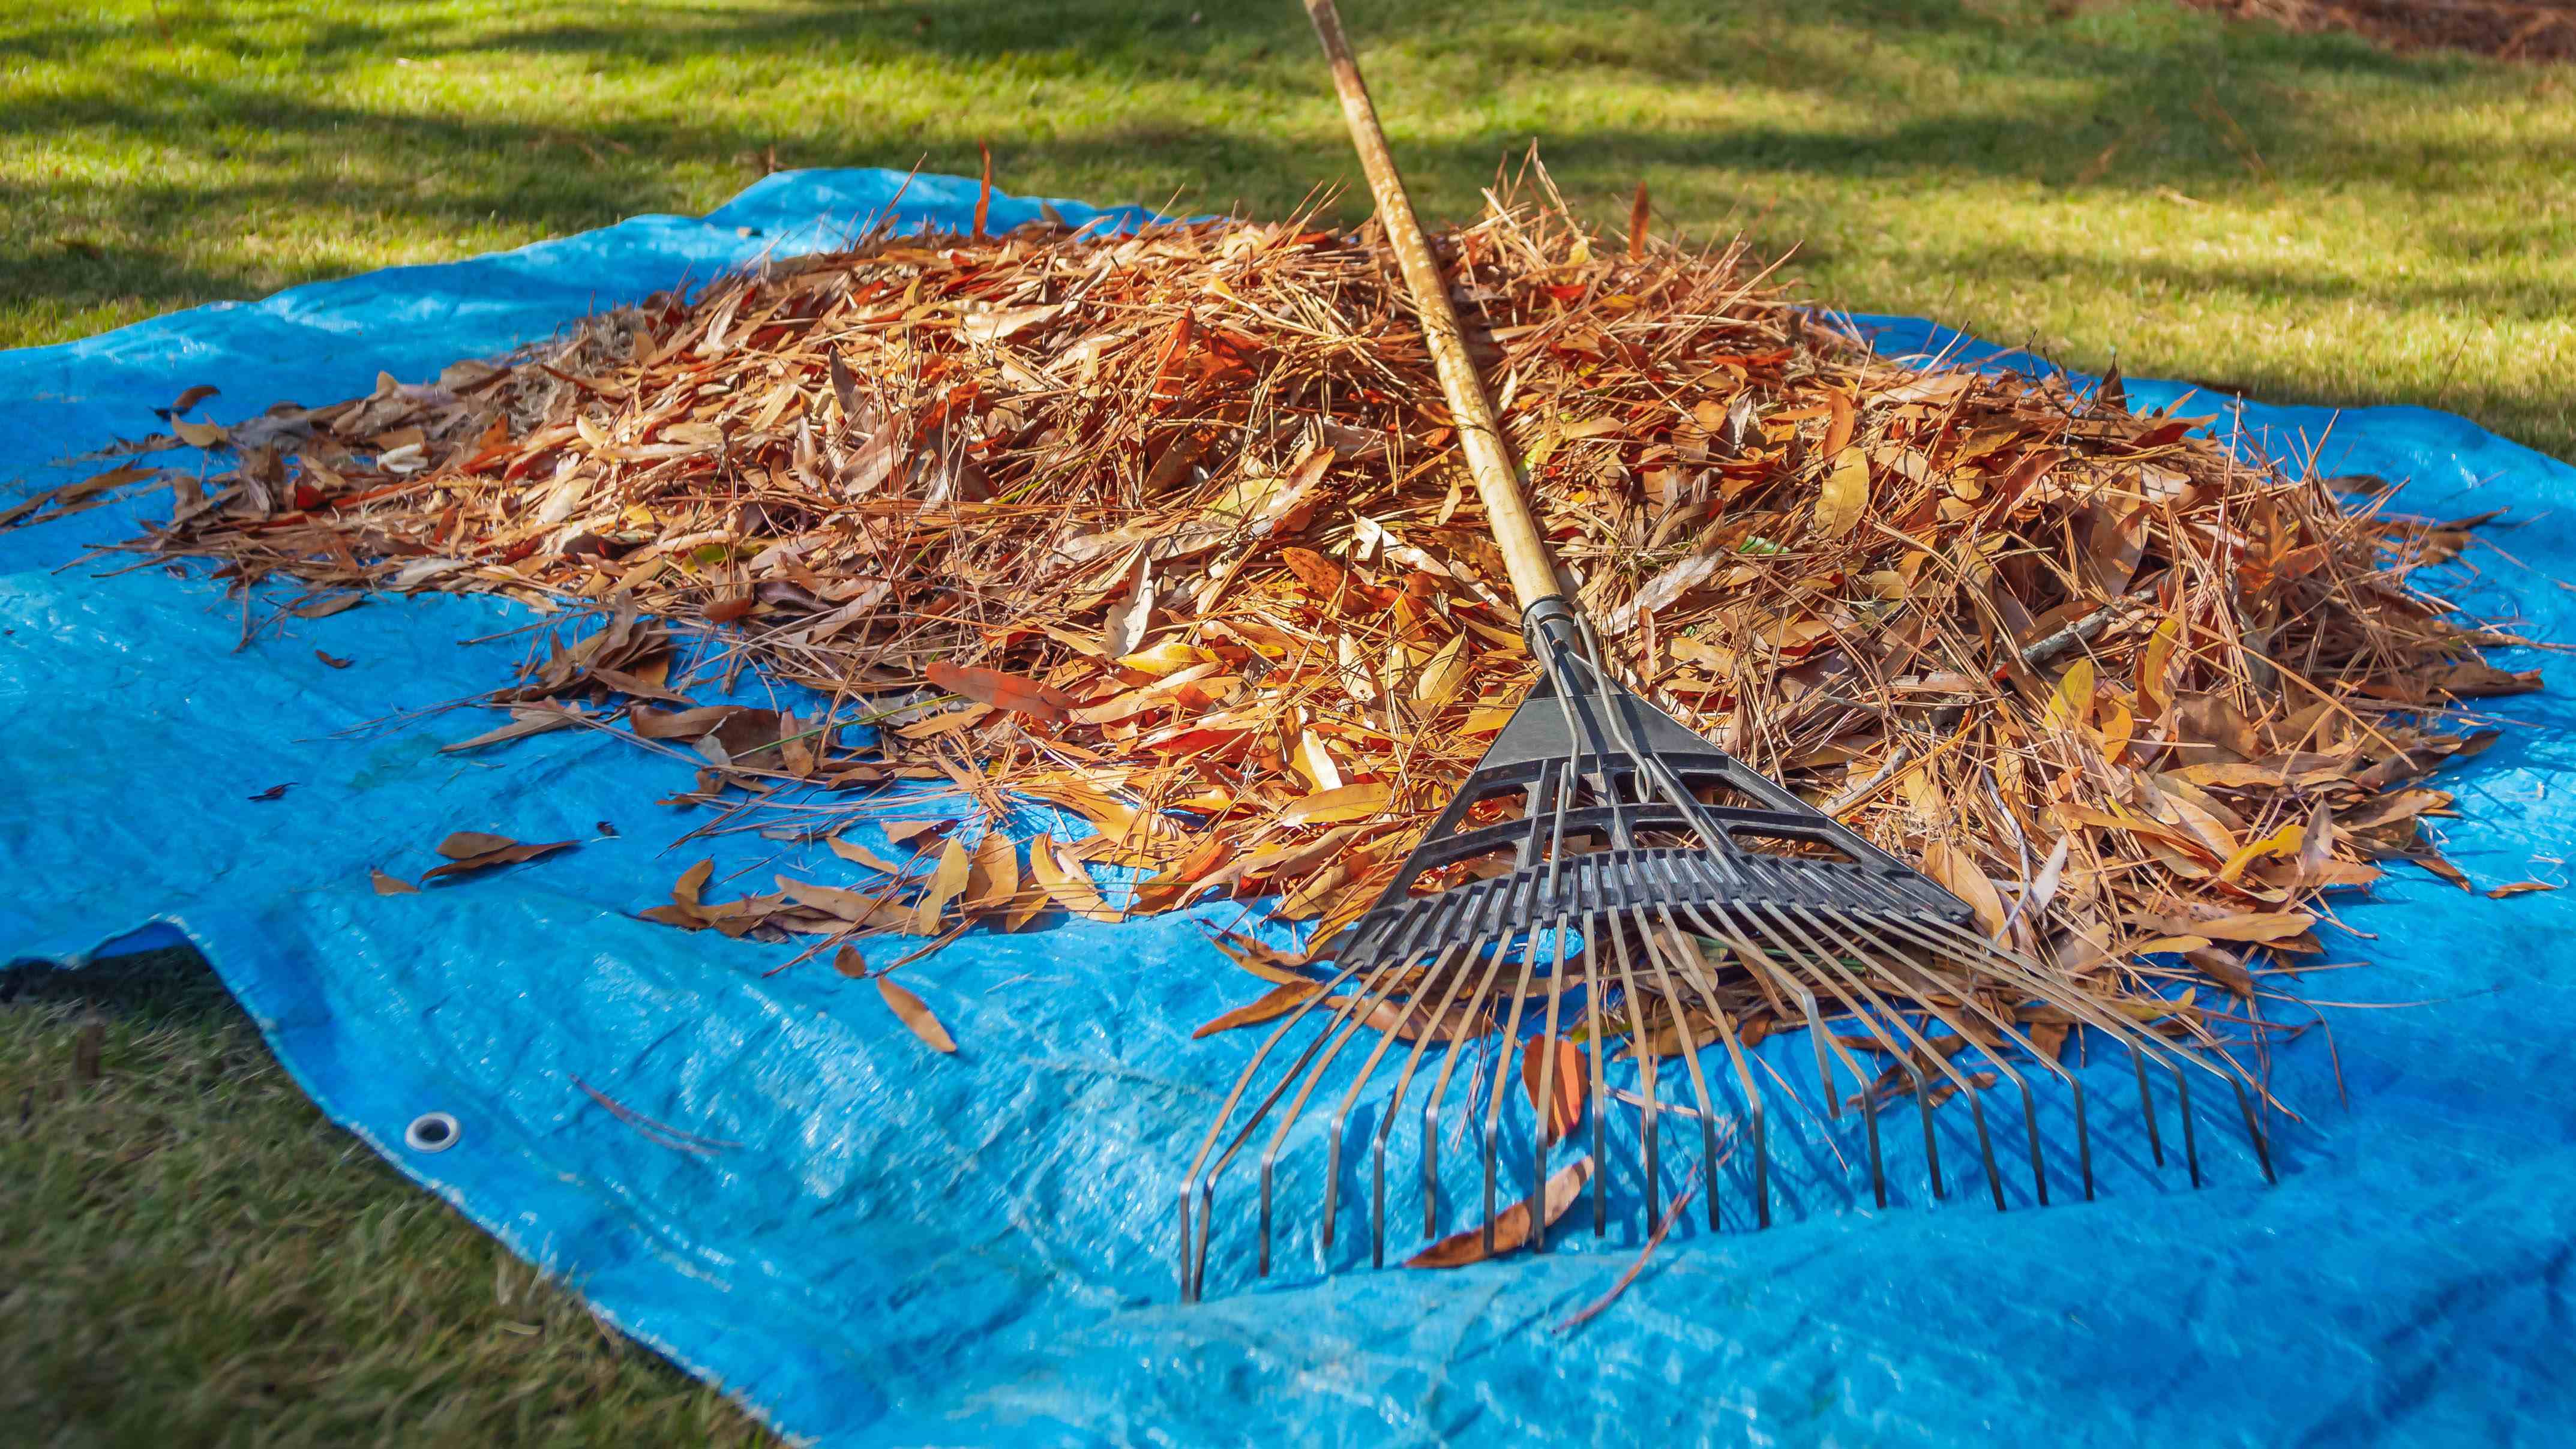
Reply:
x=185 y=1247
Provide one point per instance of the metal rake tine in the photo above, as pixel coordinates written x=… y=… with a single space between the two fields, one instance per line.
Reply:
x=1454 y=963
x=2174 y=1056
x=1986 y=952
x=1494 y=1098
x=1816 y=1029
x=1340 y=1036
x=1994 y=1058
x=1836 y=981
x=1193 y=1269
x=1440 y=1088
x=1678 y=947
x=1906 y=1054
x=1542 y=1135
x=1925 y=991
x=1753 y=1104
x=1646 y=1065
x=2254 y=1131
x=2171 y=1054
x=1596 y=1015
x=1387 y=1038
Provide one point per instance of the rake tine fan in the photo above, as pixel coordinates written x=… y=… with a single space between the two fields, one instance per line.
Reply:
x=1605 y=868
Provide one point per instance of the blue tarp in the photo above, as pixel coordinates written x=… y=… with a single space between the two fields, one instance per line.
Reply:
x=899 y=1248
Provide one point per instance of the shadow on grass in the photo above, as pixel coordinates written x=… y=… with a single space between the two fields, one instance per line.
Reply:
x=1213 y=106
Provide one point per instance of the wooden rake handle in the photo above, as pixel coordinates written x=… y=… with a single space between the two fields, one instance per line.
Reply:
x=1489 y=462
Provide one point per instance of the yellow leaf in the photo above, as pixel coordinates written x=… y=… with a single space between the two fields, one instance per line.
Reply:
x=946 y=884
x=2283 y=842
x=1169 y=657
x=1069 y=886
x=2159 y=659
x=2072 y=706
x=201 y=435
x=1443 y=675
x=1332 y=807
x=1845 y=495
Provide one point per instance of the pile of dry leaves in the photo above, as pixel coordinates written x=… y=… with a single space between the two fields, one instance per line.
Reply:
x=1165 y=530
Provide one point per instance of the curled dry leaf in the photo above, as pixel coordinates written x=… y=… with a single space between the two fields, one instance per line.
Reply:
x=1511 y=1226
x=1068 y=885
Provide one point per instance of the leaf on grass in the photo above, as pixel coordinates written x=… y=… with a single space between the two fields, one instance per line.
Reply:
x=1511 y=1225
x=391 y=885
x=916 y=1014
x=1277 y=1001
x=1068 y=885
x=473 y=850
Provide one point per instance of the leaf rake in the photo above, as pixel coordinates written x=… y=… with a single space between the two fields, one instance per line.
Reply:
x=1603 y=851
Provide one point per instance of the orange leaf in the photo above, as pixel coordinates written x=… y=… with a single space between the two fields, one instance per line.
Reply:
x=1332 y=807
x=1013 y=692
x=1565 y=1086
x=1277 y=1001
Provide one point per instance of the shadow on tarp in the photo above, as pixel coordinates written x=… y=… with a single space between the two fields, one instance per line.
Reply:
x=898 y=1248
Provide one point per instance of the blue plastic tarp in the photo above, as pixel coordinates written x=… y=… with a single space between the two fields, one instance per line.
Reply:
x=891 y=1247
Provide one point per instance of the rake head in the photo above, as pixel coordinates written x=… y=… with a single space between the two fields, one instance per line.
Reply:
x=1606 y=873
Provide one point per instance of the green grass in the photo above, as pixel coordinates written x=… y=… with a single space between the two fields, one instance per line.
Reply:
x=190 y=1254
x=2302 y=217
x=187 y=1250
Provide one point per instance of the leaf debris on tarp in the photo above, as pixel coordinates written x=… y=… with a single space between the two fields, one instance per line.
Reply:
x=1165 y=531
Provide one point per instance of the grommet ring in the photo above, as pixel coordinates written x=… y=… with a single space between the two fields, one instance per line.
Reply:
x=431 y=1132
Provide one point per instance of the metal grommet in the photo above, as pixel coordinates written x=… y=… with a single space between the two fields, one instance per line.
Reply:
x=431 y=1132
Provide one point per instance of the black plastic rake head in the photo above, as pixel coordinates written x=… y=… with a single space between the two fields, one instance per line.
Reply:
x=1607 y=876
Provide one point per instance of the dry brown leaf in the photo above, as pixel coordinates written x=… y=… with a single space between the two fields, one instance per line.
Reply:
x=947 y=883
x=1277 y=1001
x=468 y=851
x=1511 y=1226
x=1844 y=499
x=1068 y=886
x=916 y=1014
x=391 y=885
